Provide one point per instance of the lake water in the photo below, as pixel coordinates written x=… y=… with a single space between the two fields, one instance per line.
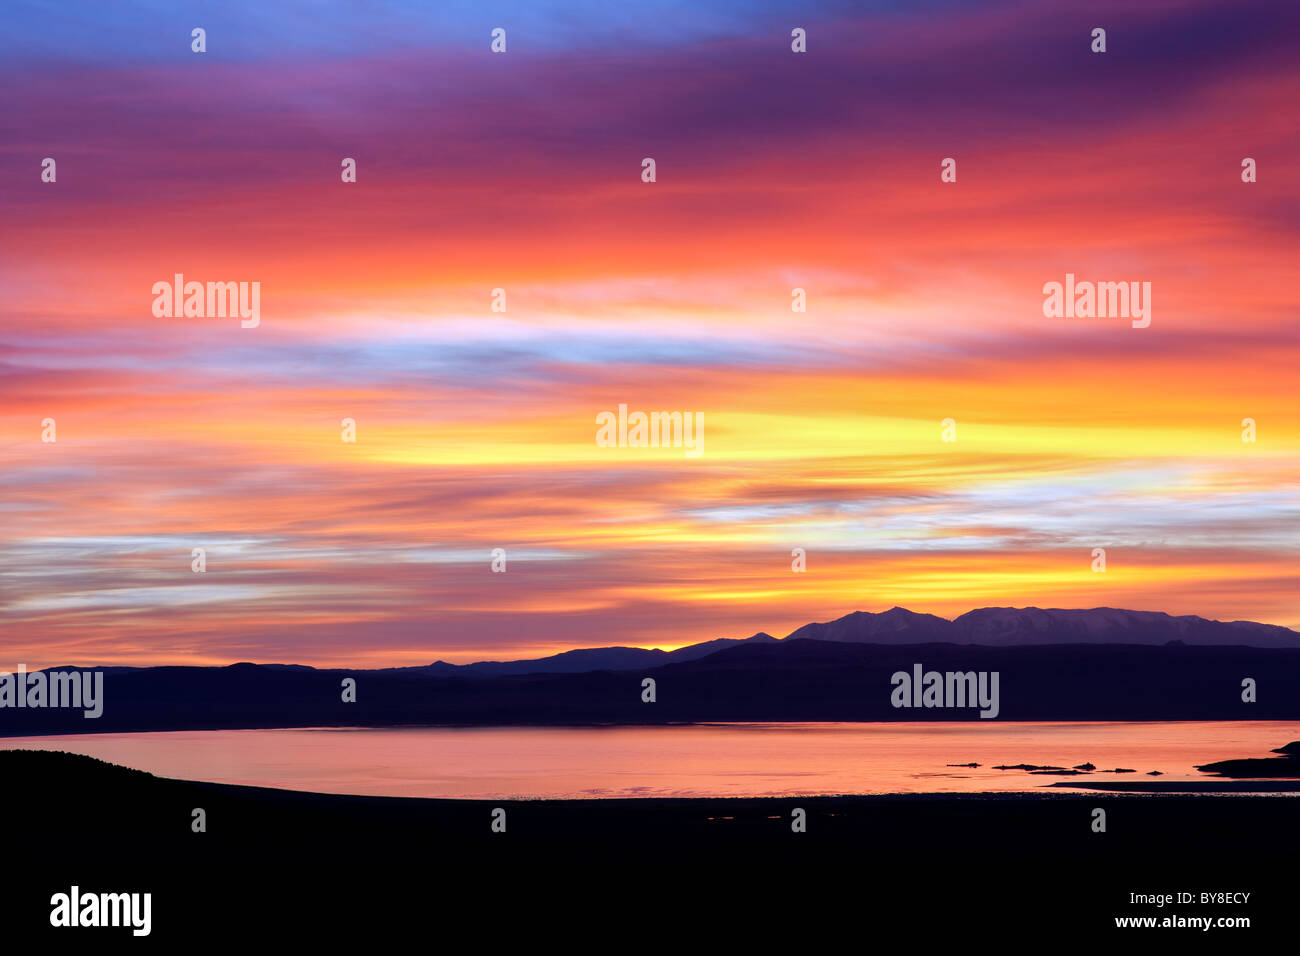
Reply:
x=698 y=760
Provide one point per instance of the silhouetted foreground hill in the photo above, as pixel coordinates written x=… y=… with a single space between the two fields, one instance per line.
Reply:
x=284 y=866
x=761 y=681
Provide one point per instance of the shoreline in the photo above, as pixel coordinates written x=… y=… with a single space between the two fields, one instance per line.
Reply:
x=1208 y=787
x=1061 y=789
x=1277 y=775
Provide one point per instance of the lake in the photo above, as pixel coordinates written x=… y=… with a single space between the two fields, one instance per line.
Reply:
x=695 y=760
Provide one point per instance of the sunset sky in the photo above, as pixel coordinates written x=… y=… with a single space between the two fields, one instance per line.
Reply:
x=476 y=430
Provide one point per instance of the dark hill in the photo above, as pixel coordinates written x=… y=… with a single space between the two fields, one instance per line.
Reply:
x=761 y=681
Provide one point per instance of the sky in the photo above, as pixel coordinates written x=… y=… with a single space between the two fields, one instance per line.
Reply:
x=475 y=429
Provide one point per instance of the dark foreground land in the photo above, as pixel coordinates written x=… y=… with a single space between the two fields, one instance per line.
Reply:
x=281 y=867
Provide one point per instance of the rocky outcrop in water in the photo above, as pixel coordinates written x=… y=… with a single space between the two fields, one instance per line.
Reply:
x=1284 y=766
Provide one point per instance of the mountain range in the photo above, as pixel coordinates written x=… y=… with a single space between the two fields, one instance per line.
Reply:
x=987 y=626
x=1069 y=665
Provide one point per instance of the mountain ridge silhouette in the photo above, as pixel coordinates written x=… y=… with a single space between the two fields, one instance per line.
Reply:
x=987 y=626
